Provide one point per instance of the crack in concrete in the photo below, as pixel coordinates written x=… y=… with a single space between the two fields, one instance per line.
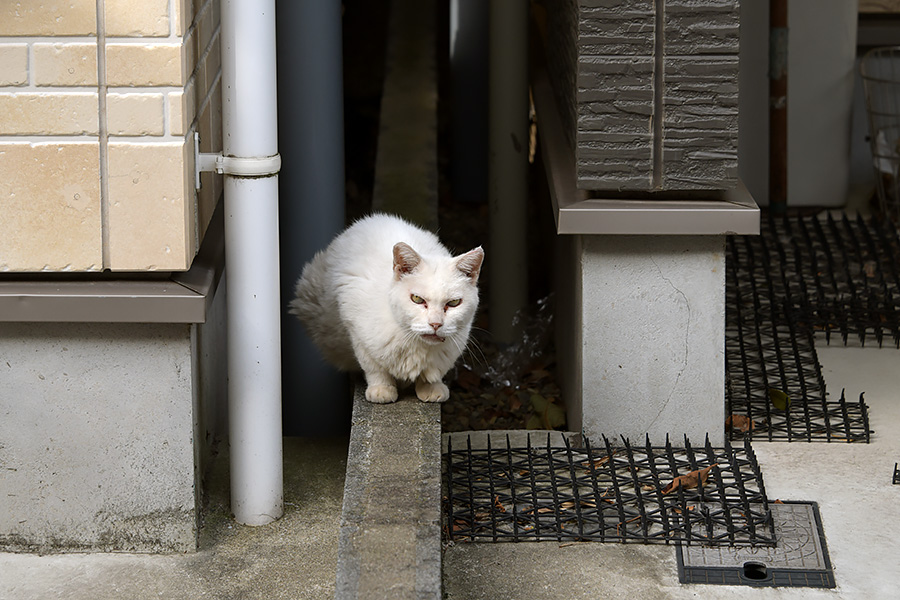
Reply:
x=687 y=330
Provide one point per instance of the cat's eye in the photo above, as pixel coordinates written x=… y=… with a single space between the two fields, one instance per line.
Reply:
x=454 y=303
x=417 y=299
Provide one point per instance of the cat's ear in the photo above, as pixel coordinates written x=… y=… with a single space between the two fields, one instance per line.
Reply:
x=470 y=263
x=405 y=260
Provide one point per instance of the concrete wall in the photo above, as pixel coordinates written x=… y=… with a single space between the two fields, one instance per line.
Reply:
x=107 y=431
x=97 y=437
x=649 y=356
x=210 y=371
x=98 y=103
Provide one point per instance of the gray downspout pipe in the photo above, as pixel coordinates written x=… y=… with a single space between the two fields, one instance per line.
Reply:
x=250 y=164
x=469 y=100
x=317 y=399
x=508 y=164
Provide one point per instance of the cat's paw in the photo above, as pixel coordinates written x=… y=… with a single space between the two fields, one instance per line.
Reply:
x=432 y=392
x=381 y=394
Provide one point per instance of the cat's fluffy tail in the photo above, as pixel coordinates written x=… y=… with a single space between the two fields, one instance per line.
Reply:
x=317 y=309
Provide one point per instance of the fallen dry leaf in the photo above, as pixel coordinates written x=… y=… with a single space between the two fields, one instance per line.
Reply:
x=600 y=461
x=538 y=375
x=691 y=480
x=742 y=423
x=623 y=523
x=870 y=268
x=678 y=510
x=570 y=504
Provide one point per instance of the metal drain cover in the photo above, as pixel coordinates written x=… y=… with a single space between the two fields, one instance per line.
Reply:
x=799 y=559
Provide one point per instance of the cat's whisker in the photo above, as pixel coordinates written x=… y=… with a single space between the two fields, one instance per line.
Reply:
x=459 y=347
x=409 y=336
x=482 y=330
x=479 y=358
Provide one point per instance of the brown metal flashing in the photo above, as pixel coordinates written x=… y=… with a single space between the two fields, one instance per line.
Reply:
x=685 y=213
x=180 y=298
x=732 y=212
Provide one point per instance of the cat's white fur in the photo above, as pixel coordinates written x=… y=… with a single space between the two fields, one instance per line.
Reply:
x=381 y=298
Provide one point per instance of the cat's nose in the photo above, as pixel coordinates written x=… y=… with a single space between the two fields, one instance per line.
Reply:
x=435 y=326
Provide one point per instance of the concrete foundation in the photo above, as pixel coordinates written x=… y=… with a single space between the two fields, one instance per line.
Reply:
x=641 y=336
x=105 y=430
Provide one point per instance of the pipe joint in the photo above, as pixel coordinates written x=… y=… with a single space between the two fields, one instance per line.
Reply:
x=252 y=167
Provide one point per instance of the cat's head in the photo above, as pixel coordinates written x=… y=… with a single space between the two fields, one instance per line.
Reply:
x=435 y=297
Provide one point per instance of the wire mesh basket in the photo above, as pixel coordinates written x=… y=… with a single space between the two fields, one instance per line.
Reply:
x=880 y=70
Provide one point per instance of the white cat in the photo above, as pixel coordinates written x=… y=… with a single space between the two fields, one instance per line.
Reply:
x=387 y=298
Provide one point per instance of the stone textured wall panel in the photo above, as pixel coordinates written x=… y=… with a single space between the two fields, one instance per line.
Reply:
x=614 y=148
x=695 y=27
x=701 y=121
x=623 y=28
x=562 y=61
x=632 y=127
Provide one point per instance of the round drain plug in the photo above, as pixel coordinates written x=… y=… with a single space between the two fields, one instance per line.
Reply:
x=755 y=571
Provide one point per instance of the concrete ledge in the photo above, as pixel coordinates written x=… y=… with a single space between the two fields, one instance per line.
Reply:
x=390 y=536
x=150 y=298
x=390 y=539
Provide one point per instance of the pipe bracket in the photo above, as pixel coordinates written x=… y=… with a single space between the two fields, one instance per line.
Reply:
x=257 y=166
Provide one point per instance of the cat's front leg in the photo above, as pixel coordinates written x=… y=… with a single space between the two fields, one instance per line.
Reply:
x=380 y=385
x=380 y=388
x=431 y=389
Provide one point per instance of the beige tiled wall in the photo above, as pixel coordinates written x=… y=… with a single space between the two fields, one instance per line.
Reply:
x=96 y=132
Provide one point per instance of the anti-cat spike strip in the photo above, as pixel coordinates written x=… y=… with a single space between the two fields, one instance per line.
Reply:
x=610 y=494
x=801 y=276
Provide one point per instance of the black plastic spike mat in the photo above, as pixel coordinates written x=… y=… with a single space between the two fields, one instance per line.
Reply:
x=896 y=474
x=629 y=493
x=803 y=275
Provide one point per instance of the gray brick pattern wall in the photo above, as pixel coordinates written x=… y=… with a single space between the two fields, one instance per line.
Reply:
x=637 y=59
